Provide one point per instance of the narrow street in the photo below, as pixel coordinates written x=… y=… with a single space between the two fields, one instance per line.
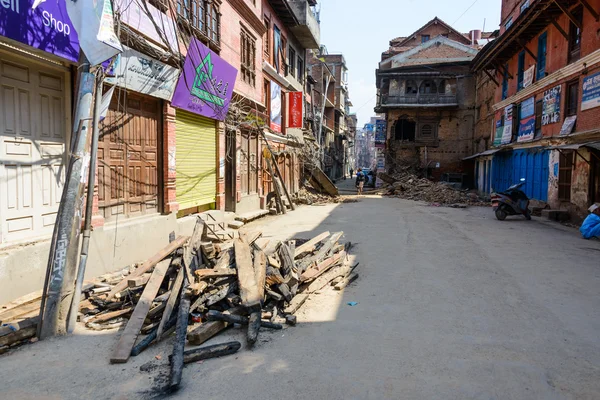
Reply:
x=452 y=304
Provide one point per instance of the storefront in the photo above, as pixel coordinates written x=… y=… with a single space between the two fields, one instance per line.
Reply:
x=202 y=98
x=130 y=151
x=35 y=122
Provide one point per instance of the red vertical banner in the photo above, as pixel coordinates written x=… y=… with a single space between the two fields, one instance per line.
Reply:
x=295 y=110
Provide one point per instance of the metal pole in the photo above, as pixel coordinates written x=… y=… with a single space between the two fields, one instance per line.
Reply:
x=58 y=289
x=89 y=202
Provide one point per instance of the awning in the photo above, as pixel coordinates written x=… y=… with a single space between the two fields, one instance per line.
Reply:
x=484 y=153
x=576 y=146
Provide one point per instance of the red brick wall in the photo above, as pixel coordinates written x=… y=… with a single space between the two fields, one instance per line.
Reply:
x=433 y=31
x=231 y=26
x=510 y=8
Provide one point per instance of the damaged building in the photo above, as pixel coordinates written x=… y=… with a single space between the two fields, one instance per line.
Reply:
x=427 y=93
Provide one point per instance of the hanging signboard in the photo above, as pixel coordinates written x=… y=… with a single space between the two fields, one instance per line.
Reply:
x=94 y=23
x=140 y=16
x=499 y=133
x=527 y=120
x=206 y=84
x=44 y=25
x=590 y=96
x=295 y=110
x=380 y=132
x=528 y=76
x=275 y=107
x=508 y=123
x=568 y=125
x=551 y=109
x=143 y=74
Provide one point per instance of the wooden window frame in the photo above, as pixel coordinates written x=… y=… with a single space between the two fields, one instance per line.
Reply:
x=572 y=101
x=300 y=69
x=521 y=70
x=541 y=72
x=291 y=62
x=202 y=17
x=425 y=38
x=267 y=42
x=575 y=35
x=565 y=175
x=248 y=57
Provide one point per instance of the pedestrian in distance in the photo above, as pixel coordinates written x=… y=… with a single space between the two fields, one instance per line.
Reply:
x=351 y=173
x=591 y=225
x=360 y=181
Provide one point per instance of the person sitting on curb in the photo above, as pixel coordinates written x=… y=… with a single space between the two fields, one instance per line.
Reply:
x=591 y=225
x=360 y=181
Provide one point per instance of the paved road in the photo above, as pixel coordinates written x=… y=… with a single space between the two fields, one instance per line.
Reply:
x=452 y=304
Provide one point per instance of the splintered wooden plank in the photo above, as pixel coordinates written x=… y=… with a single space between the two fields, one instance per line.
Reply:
x=246 y=277
x=148 y=264
x=321 y=254
x=296 y=303
x=21 y=301
x=322 y=267
x=16 y=326
x=346 y=281
x=311 y=244
x=209 y=329
x=225 y=260
x=260 y=271
x=170 y=303
x=212 y=273
x=193 y=248
x=327 y=277
x=20 y=311
x=132 y=330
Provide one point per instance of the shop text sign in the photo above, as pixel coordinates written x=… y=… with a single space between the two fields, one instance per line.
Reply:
x=42 y=24
x=591 y=92
x=295 y=110
x=206 y=84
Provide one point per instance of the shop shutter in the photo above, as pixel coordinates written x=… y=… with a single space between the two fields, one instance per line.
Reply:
x=195 y=158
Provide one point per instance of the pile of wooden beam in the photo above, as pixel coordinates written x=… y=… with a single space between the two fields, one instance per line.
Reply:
x=197 y=288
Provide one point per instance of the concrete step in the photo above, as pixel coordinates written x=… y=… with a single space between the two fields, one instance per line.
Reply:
x=235 y=224
x=251 y=216
x=556 y=215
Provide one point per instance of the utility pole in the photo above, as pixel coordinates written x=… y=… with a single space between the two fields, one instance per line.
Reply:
x=60 y=272
x=89 y=201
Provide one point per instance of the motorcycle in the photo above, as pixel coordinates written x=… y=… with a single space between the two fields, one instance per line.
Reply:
x=513 y=201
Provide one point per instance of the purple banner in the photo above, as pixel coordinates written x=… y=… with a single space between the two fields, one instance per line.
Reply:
x=206 y=84
x=43 y=24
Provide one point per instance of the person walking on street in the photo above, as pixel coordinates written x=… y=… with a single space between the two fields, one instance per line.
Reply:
x=351 y=173
x=360 y=181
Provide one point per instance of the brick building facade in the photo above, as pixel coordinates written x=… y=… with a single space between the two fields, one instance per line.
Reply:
x=427 y=92
x=544 y=67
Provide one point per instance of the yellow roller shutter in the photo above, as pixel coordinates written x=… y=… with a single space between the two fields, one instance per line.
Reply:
x=195 y=159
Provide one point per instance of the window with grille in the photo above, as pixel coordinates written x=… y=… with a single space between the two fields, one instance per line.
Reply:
x=426 y=130
x=248 y=56
x=202 y=16
x=565 y=174
x=292 y=62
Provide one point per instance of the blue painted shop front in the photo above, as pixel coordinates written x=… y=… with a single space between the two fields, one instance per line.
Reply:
x=532 y=164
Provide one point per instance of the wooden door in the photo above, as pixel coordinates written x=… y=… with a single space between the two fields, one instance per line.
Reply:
x=33 y=135
x=128 y=156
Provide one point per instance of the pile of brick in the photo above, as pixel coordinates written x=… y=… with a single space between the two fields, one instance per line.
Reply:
x=409 y=186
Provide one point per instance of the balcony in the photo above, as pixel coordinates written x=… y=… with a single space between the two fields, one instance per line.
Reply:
x=308 y=31
x=418 y=100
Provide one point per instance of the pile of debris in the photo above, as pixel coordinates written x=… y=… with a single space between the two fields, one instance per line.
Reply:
x=197 y=288
x=409 y=186
x=308 y=195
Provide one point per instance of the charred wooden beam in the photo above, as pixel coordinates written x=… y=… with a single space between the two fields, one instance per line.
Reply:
x=204 y=353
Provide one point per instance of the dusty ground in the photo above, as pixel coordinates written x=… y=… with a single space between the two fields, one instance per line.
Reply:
x=452 y=304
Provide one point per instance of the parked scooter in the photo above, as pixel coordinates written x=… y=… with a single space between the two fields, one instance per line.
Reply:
x=513 y=201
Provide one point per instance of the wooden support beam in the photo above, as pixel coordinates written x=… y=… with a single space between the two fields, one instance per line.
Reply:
x=560 y=29
x=132 y=330
x=170 y=303
x=524 y=46
x=246 y=277
x=568 y=14
x=491 y=77
x=148 y=264
x=590 y=9
x=310 y=245
x=504 y=70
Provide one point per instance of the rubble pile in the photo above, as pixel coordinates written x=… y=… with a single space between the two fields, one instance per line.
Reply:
x=199 y=286
x=409 y=186
x=309 y=195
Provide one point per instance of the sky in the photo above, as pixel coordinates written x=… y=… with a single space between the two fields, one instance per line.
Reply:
x=361 y=30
